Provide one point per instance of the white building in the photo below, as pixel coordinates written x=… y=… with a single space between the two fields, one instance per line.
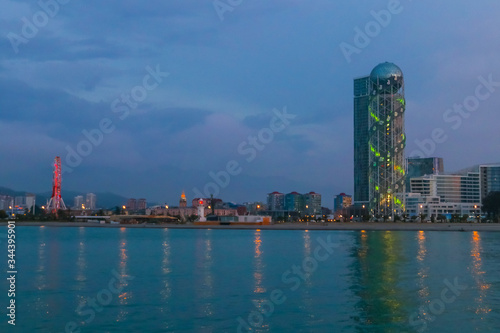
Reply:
x=78 y=202
x=30 y=201
x=435 y=195
x=91 y=201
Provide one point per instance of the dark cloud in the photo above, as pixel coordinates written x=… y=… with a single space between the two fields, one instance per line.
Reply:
x=225 y=79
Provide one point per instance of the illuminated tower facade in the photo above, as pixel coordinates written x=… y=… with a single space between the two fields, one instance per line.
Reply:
x=379 y=136
x=183 y=200
x=56 y=202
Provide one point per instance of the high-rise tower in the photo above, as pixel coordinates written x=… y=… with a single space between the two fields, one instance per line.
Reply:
x=56 y=202
x=379 y=140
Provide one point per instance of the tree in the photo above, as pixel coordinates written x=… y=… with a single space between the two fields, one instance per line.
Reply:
x=3 y=214
x=491 y=204
x=441 y=218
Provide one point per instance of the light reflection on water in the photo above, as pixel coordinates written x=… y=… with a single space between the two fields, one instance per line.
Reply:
x=124 y=298
x=205 y=286
x=201 y=280
x=423 y=268
x=258 y=266
x=81 y=261
x=41 y=304
x=478 y=272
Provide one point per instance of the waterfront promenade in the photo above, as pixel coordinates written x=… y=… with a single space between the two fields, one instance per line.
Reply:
x=397 y=226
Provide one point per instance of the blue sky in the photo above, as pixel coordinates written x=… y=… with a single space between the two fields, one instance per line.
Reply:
x=225 y=78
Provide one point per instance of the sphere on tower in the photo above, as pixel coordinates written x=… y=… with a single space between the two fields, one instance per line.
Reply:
x=386 y=75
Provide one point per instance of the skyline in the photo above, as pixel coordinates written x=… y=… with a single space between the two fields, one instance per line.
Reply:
x=225 y=79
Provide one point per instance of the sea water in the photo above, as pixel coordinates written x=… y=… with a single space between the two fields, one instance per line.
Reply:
x=205 y=280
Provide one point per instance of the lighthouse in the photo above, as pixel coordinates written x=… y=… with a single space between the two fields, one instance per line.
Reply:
x=201 y=211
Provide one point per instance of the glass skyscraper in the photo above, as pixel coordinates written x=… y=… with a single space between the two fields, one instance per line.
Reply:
x=379 y=140
x=490 y=179
x=361 y=147
x=418 y=167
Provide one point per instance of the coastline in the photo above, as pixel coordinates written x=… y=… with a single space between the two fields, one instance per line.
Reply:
x=397 y=226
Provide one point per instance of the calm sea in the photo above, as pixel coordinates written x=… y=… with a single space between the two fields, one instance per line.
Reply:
x=183 y=280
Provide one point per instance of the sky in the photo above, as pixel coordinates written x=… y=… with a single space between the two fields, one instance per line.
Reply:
x=237 y=98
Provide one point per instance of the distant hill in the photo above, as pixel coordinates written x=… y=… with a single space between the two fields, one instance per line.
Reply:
x=104 y=199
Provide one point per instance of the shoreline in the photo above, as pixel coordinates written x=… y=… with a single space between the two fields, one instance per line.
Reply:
x=395 y=226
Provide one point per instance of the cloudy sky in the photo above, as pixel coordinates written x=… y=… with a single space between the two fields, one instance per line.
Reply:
x=170 y=91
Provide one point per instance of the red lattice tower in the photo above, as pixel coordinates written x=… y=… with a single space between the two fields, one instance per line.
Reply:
x=56 y=202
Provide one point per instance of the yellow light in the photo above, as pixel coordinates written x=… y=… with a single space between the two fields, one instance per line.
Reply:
x=166 y=206
x=123 y=207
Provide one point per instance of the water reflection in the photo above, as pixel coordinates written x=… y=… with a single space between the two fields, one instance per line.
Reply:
x=258 y=266
x=123 y=271
x=81 y=260
x=166 y=291
x=166 y=282
x=41 y=305
x=477 y=273
x=205 y=289
x=423 y=268
x=307 y=297
x=260 y=294
x=375 y=277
